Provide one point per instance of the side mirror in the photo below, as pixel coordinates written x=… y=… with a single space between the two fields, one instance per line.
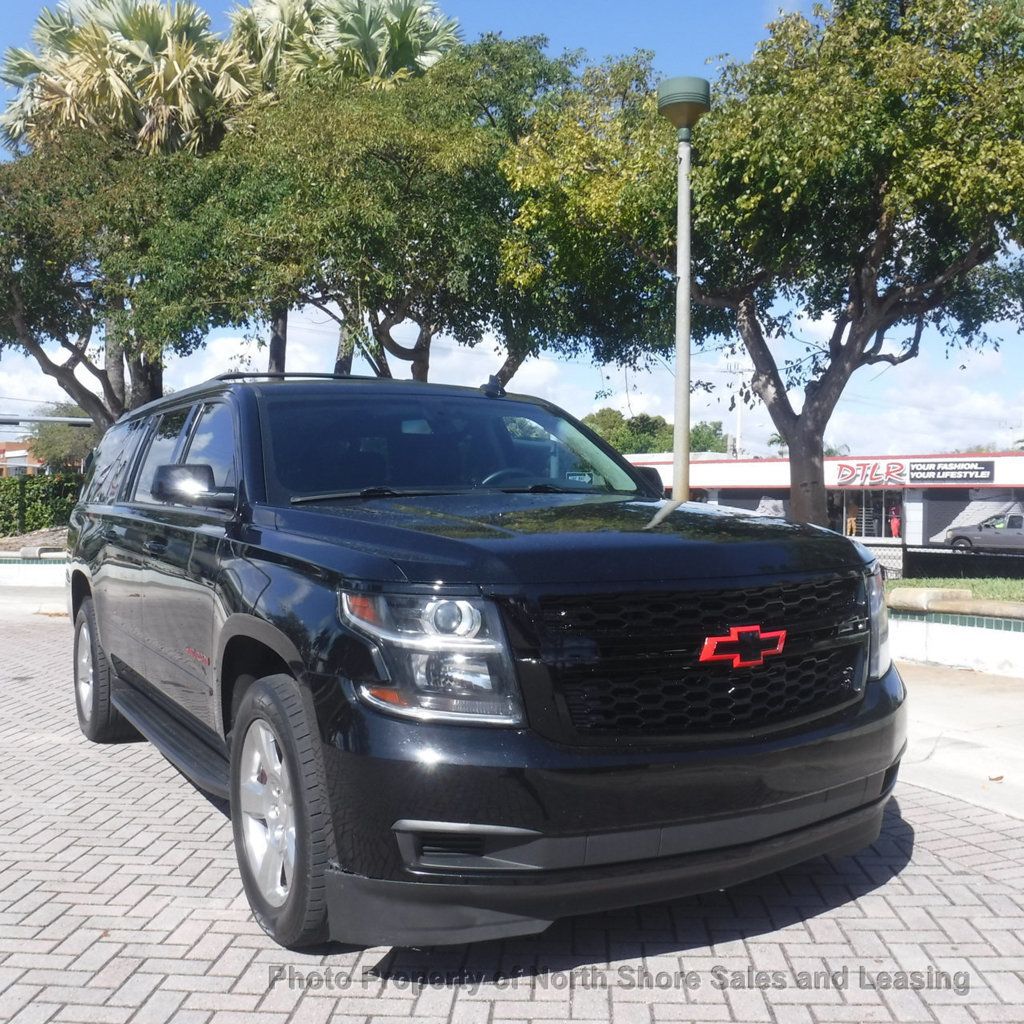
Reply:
x=651 y=475
x=190 y=485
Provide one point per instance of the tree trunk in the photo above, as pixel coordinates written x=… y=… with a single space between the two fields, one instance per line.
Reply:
x=346 y=348
x=509 y=368
x=278 y=337
x=808 y=502
x=421 y=357
x=113 y=363
x=147 y=380
x=383 y=367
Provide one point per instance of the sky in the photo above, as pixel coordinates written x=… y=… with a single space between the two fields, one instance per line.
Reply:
x=941 y=401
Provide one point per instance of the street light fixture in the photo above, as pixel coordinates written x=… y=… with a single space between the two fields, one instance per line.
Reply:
x=683 y=101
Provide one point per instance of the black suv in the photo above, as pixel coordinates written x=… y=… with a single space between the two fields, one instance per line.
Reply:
x=460 y=669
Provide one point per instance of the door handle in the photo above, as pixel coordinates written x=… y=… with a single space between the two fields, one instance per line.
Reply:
x=155 y=547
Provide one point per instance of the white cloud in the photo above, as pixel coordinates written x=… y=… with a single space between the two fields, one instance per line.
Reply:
x=926 y=405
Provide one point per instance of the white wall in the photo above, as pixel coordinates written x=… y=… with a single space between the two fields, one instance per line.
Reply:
x=996 y=651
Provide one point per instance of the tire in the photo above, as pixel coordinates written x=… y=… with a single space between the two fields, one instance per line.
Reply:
x=280 y=814
x=962 y=544
x=98 y=719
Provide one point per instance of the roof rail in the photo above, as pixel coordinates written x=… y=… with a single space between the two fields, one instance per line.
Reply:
x=246 y=374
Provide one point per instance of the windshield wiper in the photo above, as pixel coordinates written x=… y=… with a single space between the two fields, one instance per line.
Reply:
x=547 y=489
x=365 y=492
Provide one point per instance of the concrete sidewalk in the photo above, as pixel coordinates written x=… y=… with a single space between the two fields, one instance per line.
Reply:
x=966 y=735
x=19 y=603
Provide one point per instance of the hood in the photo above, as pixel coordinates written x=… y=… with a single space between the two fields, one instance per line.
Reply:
x=506 y=540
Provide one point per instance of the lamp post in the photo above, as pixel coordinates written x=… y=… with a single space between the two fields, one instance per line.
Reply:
x=683 y=101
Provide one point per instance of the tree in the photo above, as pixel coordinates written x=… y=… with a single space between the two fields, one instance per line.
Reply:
x=63 y=445
x=707 y=437
x=392 y=222
x=865 y=167
x=76 y=227
x=374 y=41
x=646 y=433
x=132 y=72
x=143 y=70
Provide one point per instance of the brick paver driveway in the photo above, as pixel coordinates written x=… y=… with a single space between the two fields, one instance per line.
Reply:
x=119 y=900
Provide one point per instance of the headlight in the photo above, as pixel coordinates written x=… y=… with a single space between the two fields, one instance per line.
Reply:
x=878 y=613
x=445 y=658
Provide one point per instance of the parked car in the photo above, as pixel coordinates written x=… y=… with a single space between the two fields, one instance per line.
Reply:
x=460 y=669
x=997 y=533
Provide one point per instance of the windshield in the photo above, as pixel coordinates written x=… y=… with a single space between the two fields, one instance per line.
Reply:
x=347 y=443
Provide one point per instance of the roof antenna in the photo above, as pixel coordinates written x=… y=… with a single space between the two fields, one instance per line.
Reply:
x=493 y=388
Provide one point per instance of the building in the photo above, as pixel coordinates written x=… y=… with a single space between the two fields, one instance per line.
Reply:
x=885 y=500
x=16 y=459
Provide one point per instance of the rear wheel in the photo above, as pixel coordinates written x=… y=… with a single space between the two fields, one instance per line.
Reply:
x=279 y=811
x=98 y=719
x=962 y=544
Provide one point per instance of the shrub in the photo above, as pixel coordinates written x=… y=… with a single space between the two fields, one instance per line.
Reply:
x=37 y=502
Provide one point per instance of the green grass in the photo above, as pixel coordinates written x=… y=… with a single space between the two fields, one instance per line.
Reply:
x=996 y=589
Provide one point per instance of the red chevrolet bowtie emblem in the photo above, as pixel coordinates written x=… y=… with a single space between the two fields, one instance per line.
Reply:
x=744 y=646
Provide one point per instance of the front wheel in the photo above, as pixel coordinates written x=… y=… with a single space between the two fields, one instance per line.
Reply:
x=962 y=544
x=98 y=719
x=279 y=811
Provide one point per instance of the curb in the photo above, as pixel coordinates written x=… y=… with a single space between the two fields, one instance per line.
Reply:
x=951 y=602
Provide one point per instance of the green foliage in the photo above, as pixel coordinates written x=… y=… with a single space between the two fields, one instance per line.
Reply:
x=645 y=433
x=708 y=437
x=77 y=219
x=153 y=73
x=37 y=502
x=378 y=41
x=63 y=445
x=866 y=166
x=389 y=205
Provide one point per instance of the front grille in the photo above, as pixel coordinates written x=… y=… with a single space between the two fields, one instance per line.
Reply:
x=628 y=664
x=657 y=616
x=668 y=703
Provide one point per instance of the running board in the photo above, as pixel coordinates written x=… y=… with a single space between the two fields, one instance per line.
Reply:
x=189 y=754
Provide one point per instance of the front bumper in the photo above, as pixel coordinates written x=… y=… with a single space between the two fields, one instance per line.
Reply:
x=561 y=831
x=374 y=912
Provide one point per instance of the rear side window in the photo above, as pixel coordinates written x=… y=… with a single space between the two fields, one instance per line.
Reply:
x=114 y=455
x=213 y=445
x=161 y=451
x=1015 y=523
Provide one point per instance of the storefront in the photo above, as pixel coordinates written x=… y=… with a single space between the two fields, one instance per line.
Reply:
x=884 y=500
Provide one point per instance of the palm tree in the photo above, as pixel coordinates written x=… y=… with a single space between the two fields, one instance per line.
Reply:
x=382 y=41
x=147 y=70
x=273 y=32
x=378 y=42
x=374 y=41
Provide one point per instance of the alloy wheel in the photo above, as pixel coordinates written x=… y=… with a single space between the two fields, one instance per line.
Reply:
x=266 y=805
x=83 y=672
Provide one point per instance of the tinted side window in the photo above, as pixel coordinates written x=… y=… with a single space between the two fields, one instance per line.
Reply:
x=213 y=445
x=160 y=453
x=1015 y=523
x=114 y=455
